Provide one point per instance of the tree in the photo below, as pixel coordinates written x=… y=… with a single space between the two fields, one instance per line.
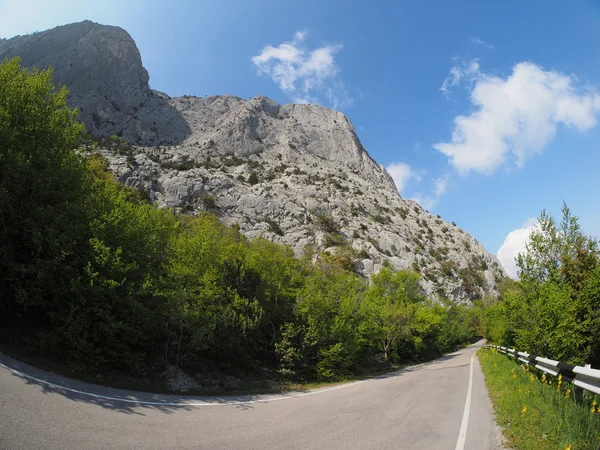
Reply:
x=43 y=186
x=554 y=308
x=110 y=284
x=390 y=306
x=112 y=315
x=558 y=252
x=329 y=311
x=590 y=305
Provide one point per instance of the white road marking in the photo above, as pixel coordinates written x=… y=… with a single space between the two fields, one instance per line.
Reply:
x=226 y=402
x=462 y=434
x=181 y=403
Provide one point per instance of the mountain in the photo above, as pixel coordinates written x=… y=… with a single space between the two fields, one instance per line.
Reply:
x=295 y=174
x=103 y=70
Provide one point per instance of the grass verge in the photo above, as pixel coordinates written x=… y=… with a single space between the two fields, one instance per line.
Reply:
x=538 y=411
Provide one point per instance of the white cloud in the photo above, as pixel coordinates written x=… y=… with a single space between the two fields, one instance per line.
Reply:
x=515 y=117
x=457 y=73
x=401 y=173
x=440 y=187
x=476 y=40
x=305 y=75
x=426 y=201
x=513 y=245
x=300 y=35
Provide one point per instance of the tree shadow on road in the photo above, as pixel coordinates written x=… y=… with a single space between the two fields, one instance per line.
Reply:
x=436 y=364
x=136 y=403
x=125 y=401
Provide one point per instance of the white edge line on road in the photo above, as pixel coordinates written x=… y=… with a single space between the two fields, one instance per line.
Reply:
x=462 y=434
x=182 y=403
x=232 y=402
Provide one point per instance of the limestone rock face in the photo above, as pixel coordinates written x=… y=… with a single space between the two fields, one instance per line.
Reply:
x=295 y=174
x=298 y=175
x=102 y=68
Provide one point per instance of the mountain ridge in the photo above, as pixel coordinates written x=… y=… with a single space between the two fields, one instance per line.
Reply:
x=295 y=174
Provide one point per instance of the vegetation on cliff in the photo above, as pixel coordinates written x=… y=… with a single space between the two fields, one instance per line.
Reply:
x=105 y=282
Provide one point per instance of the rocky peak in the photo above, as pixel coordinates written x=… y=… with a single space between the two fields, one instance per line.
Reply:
x=226 y=124
x=295 y=174
x=102 y=68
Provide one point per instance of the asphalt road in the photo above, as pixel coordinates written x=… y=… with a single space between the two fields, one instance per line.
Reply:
x=421 y=407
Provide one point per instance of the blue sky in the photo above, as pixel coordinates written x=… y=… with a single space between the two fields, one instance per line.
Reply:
x=486 y=112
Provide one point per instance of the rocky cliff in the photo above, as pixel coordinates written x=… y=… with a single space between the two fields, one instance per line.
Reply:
x=103 y=70
x=295 y=174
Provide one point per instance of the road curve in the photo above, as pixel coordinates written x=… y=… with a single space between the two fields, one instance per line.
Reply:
x=421 y=407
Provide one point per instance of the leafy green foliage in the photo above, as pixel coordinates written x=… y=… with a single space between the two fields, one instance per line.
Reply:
x=403 y=212
x=42 y=191
x=105 y=282
x=380 y=218
x=554 y=310
x=208 y=201
x=333 y=240
x=326 y=223
x=252 y=178
x=471 y=279
x=274 y=227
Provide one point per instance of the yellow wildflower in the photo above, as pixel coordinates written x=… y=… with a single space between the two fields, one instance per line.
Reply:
x=523 y=411
x=531 y=378
x=593 y=408
x=568 y=447
x=514 y=376
x=567 y=393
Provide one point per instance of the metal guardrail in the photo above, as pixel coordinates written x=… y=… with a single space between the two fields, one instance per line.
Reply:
x=584 y=377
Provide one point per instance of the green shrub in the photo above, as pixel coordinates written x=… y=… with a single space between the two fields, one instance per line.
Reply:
x=231 y=160
x=102 y=281
x=252 y=178
x=472 y=279
x=325 y=222
x=274 y=227
x=381 y=219
x=447 y=268
x=333 y=240
x=208 y=201
x=188 y=164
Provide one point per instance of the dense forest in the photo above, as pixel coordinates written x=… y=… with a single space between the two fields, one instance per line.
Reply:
x=95 y=276
x=554 y=309
x=103 y=281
